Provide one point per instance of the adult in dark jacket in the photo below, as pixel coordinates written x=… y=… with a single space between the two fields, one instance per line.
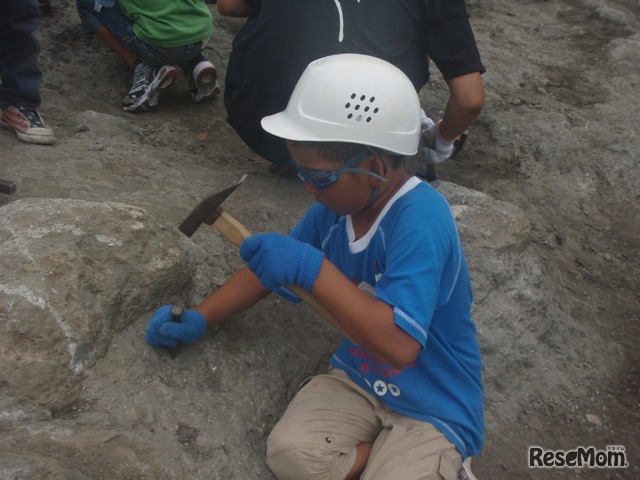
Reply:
x=280 y=38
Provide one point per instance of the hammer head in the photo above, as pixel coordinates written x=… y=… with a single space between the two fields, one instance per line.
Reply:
x=208 y=210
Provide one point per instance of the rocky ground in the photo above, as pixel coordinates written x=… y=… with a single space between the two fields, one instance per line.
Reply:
x=558 y=313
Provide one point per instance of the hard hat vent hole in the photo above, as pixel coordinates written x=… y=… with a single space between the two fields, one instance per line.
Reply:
x=361 y=103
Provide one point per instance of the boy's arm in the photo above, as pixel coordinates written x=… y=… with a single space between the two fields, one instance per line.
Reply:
x=240 y=292
x=367 y=321
x=279 y=260
x=237 y=294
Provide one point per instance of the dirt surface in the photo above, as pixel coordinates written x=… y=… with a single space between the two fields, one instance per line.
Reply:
x=558 y=138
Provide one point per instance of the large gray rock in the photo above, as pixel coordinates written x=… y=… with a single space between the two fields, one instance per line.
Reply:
x=73 y=274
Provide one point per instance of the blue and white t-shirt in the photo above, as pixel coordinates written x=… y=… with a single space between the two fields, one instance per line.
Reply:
x=412 y=259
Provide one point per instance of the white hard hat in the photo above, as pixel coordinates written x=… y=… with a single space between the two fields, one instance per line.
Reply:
x=351 y=98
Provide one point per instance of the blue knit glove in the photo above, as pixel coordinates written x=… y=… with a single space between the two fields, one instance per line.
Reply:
x=279 y=260
x=162 y=331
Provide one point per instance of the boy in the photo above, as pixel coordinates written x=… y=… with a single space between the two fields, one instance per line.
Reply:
x=380 y=251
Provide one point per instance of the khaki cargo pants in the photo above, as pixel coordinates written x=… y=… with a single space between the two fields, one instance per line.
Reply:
x=330 y=415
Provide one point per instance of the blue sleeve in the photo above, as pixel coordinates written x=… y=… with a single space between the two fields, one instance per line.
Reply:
x=422 y=261
x=310 y=228
x=308 y=231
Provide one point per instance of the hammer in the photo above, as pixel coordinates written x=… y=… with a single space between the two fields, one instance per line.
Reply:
x=209 y=211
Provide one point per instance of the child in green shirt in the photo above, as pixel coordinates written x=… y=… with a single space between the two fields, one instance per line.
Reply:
x=154 y=38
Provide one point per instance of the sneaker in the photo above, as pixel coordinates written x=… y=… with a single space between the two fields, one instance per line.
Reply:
x=139 y=83
x=203 y=81
x=28 y=124
x=147 y=84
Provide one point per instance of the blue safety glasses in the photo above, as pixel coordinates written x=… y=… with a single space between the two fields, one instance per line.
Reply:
x=325 y=178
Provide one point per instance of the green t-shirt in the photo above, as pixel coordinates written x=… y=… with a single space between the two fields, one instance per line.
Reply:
x=169 y=23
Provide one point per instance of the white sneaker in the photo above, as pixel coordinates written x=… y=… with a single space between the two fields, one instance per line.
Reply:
x=203 y=83
x=148 y=83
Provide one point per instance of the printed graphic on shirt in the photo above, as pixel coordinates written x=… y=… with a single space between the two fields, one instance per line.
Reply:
x=381 y=388
x=371 y=367
x=341 y=19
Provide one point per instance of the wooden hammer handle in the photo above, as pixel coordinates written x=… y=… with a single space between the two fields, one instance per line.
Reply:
x=231 y=228
x=235 y=232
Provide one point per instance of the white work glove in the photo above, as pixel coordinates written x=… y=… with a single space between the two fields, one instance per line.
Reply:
x=433 y=148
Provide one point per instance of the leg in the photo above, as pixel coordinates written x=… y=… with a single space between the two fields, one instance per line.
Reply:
x=318 y=435
x=20 y=74
x=113 y=27
x=108 y=39
x=19 y=49
x=110 y=25
x=408 y=449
